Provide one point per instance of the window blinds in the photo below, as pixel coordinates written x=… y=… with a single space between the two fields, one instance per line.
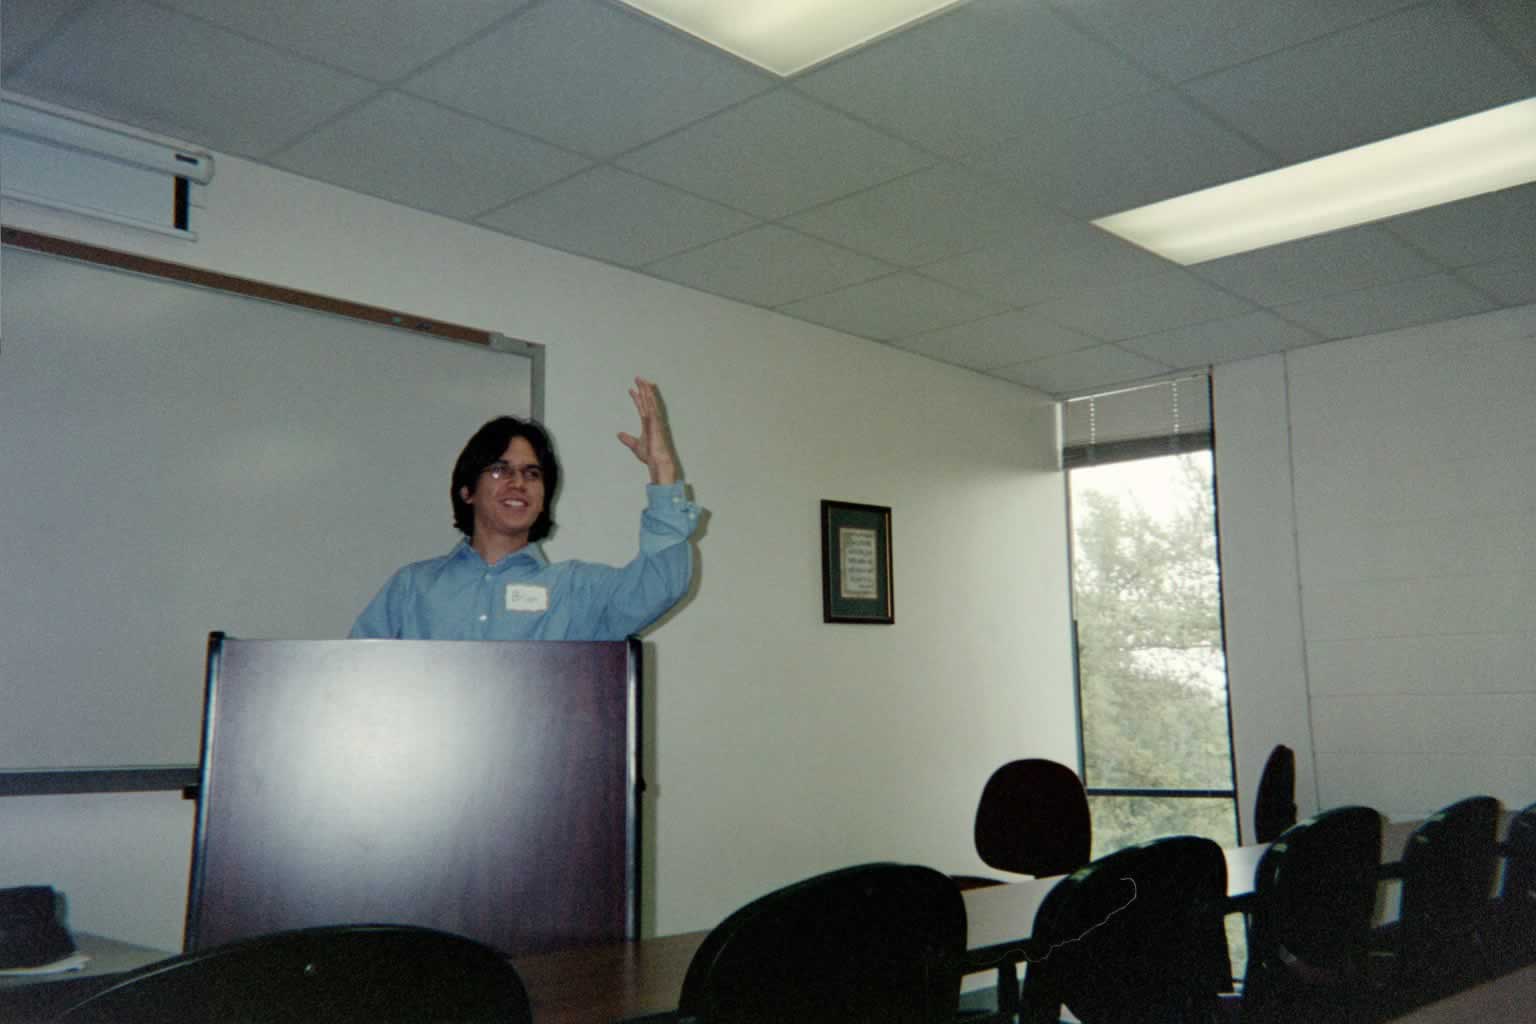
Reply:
x=1138 y=422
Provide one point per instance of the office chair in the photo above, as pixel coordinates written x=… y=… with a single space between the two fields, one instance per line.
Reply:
x=350 y=974
x=1516 y=906
x=1439 y=942
x=874 y=943
x=1134 y=937
x=1032 y=819
x=1274 y=808
x=1310 y=916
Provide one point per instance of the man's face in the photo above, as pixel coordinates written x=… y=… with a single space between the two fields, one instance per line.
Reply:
x=508 y=507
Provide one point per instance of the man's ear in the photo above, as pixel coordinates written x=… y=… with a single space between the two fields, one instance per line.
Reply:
x=466 y=496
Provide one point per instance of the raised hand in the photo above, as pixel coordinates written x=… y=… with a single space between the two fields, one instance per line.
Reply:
x=654 y=445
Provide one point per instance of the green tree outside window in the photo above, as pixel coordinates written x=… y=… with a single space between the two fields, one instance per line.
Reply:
x=1152 y=669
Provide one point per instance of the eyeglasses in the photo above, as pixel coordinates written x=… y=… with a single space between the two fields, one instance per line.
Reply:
x=499 y=471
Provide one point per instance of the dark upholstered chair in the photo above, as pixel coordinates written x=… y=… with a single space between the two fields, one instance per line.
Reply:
x=1439 y=943
x=1274 y=808
x=1310 y=917
x=1516 y=907
x=1134 y=937
x=877 y=943
x=354 y=974
x=1032 y=819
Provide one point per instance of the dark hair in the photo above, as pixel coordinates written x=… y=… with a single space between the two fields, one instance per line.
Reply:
x=486 y=447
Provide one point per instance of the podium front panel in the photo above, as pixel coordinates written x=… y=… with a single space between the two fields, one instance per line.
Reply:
x=487 y=789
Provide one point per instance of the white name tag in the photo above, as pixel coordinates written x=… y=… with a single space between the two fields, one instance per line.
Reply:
x=525 y=597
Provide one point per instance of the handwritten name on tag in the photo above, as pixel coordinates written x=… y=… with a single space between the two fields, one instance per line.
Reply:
x=525 y=597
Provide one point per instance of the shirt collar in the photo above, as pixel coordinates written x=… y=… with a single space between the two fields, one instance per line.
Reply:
x=528 y=553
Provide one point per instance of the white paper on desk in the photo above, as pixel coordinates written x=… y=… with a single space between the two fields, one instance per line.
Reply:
x=63 y=965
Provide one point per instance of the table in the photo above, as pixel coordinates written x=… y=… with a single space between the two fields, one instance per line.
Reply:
x=602 y=984
x=39 y=997
x=1506 y=999
x=606 y=983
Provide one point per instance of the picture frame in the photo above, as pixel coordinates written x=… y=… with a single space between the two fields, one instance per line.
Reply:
x=857 y=577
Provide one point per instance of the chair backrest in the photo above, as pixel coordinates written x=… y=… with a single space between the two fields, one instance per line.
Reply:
x=1520 y=862
x=872 y=943
x=1517 y=895
x=378 y=974
x=1448 y=869
x=1274 y=808
x=1033 y=819
x=1314 y=901
x=1135 y=936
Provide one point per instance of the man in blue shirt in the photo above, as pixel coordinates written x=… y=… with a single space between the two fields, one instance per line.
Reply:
x=497 y=584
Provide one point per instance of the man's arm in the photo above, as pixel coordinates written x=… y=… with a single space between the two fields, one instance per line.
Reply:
x=654 y=445
x=379 y=621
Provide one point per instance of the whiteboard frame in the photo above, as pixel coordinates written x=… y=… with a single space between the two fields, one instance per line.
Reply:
x=171 y=777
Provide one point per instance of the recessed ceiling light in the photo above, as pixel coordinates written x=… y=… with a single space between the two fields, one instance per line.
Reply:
x=1440 y=164
x=787 y=36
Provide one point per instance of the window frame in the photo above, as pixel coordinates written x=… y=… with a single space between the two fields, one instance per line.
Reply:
x=1130 y=450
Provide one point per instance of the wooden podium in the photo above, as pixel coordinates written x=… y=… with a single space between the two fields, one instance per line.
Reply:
x=488 y=789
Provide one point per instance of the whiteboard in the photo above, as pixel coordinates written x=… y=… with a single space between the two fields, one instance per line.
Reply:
x=176 y=460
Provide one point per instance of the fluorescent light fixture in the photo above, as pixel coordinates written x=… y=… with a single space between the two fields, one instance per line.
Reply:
x=1440 y=164
x=786 y=36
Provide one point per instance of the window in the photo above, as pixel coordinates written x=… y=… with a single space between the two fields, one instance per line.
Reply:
x=1152 y=686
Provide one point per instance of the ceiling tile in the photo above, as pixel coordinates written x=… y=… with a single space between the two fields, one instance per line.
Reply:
x=1145 y=306
x=1511 y=281
x=1055 y=260
x=1003 y=340
x=589 y=77
x=1476 y=230
x=1182 y=39
x=1314 y=268
x=25 y=23
x=1406 y=71
x=378 y=39
x=172 y=74
x=1089 y=369
x=892 y=307
x=1387 y=307
x=1221 y=341
x=775 y=155
x=942 y=209
x=1080 y=164
x=768 y=266
x=469 y=168
x=611 y=215
x=985 y=70
x=938 y=212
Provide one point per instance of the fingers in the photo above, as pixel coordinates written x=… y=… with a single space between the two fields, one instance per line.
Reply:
x=644 y=396
x=653 y=447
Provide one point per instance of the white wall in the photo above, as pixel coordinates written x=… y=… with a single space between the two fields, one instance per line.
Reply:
x=1414 y=470
x=1261 y=601
x=120 y=859
x=779 y=746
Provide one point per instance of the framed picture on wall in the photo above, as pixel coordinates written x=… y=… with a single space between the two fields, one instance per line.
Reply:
x=856 y=577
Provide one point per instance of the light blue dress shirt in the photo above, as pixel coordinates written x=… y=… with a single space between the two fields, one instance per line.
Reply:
x=526 y=597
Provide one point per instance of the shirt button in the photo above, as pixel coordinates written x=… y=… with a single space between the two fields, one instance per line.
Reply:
x=484 y=618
